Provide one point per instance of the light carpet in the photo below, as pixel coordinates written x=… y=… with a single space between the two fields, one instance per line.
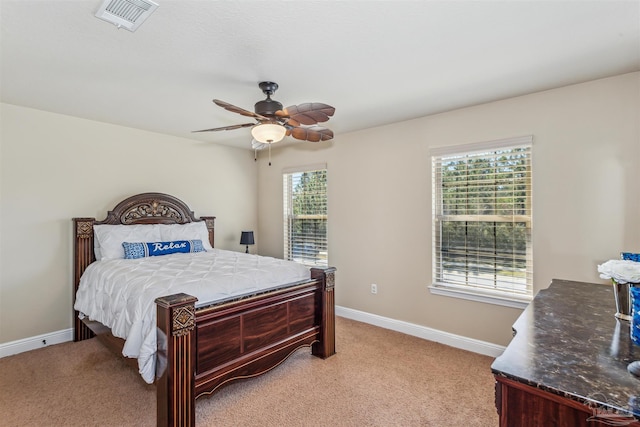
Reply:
x=377 y=378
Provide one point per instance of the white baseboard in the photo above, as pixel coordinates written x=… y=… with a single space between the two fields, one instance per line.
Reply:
x=32 y=343
x=457 y=341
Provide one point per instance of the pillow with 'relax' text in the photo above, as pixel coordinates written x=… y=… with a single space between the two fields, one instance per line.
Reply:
x=141 y=250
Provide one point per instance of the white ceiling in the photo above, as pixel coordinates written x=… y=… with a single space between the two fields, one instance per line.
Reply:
x=376 y=62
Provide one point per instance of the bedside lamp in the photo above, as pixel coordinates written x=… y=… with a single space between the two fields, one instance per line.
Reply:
x=247 y=239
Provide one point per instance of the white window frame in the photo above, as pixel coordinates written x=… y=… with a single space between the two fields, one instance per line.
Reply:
x=469 y=288
x=309 y=250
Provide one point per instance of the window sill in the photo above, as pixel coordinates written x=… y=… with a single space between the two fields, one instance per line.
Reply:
x=485 y=297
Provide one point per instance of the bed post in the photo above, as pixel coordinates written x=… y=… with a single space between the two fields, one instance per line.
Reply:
x=176 y=360
x=210 y=223
x=82 y=256
x=327 y=345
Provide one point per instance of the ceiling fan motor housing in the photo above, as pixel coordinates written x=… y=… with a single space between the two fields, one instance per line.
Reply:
x=267 y=107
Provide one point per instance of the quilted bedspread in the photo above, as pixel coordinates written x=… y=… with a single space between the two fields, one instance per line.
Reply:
x=120 y=293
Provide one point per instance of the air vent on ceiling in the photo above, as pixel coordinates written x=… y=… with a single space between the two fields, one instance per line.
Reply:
x=127 y=14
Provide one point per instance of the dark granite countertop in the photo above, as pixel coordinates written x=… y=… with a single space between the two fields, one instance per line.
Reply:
x=568 y=342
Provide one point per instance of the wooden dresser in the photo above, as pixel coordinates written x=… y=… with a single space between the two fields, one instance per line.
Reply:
x=567 y=363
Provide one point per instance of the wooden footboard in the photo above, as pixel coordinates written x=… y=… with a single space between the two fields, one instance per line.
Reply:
x=201 y=350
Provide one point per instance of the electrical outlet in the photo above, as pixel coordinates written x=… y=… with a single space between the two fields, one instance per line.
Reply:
x=374 y=288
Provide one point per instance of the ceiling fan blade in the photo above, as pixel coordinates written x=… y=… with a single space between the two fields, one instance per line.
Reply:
x=234 y=109
x=232 y=127
x=313 y=133
x=309 y=113
x=289 y=123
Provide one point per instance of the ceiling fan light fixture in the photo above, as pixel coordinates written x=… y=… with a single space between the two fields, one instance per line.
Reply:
x=268 y=133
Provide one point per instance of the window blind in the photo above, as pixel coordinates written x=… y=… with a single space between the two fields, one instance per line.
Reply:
x=305 y=216
x=482 y=219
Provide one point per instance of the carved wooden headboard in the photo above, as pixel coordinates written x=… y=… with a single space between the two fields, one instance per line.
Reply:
x=145 y=208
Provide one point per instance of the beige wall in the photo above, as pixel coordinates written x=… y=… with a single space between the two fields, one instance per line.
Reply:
x=54 y=167
x=586 y=197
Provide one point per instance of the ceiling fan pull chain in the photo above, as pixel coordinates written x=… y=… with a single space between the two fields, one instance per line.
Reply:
x=269 y=154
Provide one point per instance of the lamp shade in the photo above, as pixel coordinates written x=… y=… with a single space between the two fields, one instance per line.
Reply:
x=268 y=133
x=246 y=238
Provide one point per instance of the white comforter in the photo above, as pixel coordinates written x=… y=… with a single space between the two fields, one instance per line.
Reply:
x=120 y=293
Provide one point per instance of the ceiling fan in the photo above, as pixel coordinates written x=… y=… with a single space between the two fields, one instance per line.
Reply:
x=273 y=122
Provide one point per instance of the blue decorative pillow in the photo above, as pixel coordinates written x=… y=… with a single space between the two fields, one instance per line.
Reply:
x=630 y=256
x=141 y=250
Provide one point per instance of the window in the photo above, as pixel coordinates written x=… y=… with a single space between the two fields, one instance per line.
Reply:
x=305 y=215
x=482 y=221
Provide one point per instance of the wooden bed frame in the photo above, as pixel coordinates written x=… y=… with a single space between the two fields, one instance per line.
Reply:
x=202 y=349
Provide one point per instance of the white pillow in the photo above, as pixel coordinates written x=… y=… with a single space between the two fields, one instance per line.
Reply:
x=108 y=238
x=189 y=231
